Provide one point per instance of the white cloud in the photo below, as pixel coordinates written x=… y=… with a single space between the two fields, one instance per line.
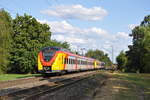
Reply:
x=69 y=39
x=76 y=12
x=132 y=26
x=122 y=35
x=90 y=38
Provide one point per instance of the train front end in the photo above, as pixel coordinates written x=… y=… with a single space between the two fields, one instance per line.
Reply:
x=46 y=58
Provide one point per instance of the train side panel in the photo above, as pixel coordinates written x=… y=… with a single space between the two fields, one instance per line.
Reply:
x=40 y=67
x=58 y=64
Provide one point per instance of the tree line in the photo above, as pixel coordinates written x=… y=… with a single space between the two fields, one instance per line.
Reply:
x=99 y=55
x=22 y=38
x=137 y=58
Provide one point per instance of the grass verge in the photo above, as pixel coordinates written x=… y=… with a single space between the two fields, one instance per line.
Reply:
x=134 y=86
x=6 y=77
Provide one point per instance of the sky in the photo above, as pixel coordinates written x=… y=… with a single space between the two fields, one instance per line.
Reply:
x=89 y=24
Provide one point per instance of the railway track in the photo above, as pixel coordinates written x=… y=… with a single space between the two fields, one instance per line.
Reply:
x=35 y=92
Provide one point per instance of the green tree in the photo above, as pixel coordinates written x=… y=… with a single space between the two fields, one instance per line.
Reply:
x=5 y=39
x=139 y=53
x=99 y=55
x=121 y=61
x=28 y=38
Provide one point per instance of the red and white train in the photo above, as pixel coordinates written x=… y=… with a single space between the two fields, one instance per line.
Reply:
x=55 y=59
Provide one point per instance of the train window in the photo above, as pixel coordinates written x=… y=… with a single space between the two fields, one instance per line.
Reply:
x=69 y=61
x=72 y=61
x=65 y=60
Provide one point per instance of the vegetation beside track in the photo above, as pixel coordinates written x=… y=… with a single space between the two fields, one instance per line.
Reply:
x=6 y=77
x=128 y=86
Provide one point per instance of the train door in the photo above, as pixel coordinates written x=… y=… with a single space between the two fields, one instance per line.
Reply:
x=70 y=66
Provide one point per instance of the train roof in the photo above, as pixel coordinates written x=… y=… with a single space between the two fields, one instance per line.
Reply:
x=67 y=51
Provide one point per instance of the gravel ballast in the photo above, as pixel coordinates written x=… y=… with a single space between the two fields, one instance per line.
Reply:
x=83 y=90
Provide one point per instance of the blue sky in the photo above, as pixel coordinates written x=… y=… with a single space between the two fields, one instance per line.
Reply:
x=91 y=24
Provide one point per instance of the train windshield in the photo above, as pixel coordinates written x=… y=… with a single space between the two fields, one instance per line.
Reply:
x=48 y=53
